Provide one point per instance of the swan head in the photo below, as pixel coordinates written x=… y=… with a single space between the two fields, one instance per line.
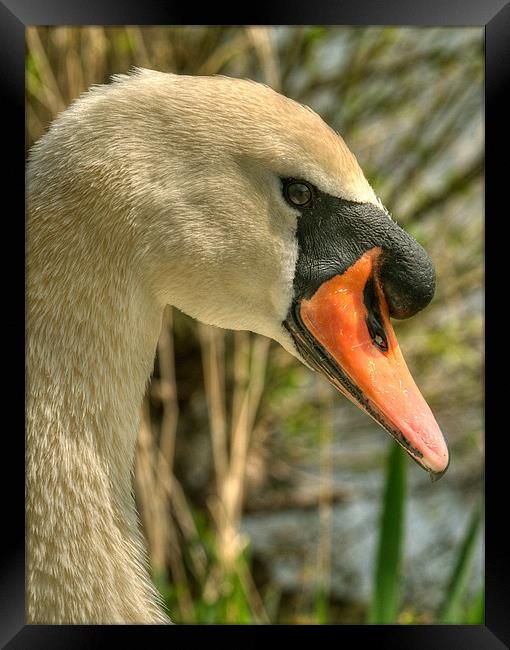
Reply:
x=246 y=211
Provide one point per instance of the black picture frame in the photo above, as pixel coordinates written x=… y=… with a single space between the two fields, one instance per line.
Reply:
x=494 y=16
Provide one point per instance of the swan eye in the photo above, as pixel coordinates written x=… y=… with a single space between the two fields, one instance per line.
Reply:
x=298 y=193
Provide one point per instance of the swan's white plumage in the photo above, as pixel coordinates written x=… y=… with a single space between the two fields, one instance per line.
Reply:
x=156 y=189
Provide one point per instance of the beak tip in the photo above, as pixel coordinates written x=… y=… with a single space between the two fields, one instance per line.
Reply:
x=435 y=476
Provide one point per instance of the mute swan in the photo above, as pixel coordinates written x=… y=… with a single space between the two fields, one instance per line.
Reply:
x=244 y=210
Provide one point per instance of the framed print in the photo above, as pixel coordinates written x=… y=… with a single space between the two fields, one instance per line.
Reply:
x=225 y=226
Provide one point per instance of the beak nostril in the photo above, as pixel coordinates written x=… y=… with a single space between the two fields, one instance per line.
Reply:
x=380 y=341
x=374 y=318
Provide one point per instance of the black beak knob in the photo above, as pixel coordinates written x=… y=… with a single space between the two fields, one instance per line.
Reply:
x=407 y=276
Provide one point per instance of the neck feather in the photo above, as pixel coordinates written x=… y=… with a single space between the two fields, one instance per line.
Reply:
x=92 y=334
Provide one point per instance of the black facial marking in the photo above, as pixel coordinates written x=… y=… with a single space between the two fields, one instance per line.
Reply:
x=334 y=233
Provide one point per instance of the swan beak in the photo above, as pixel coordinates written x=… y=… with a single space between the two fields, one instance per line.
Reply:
x=345 y=332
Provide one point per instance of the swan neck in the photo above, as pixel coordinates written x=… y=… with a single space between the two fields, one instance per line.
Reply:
x=92 y=335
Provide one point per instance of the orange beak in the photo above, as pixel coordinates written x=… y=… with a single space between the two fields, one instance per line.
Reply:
x=348 y=317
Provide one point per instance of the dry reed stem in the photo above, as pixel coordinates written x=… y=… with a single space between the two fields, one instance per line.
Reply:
x=247 y=394
x=234 y=484
x=136 y=34
x=241 y=375
x=187 y=526
x=42 y=93
x=212 y=344
x=56 y=102
x=176 y=562
x=168 y=394
x=94 y=51
x=35 y=126
x=260 y=38
x=224 y=54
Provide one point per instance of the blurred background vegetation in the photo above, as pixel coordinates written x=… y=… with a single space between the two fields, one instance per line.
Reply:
x=264 y=495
